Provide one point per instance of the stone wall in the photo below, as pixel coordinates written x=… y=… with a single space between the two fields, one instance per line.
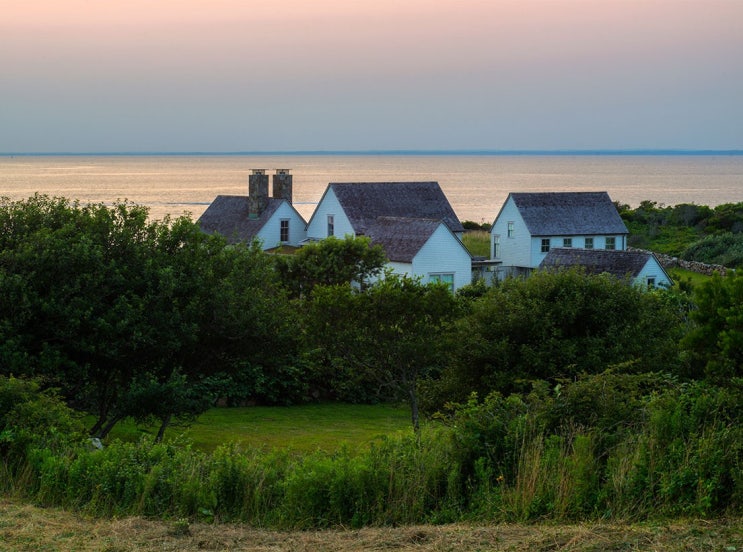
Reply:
x=674 y=262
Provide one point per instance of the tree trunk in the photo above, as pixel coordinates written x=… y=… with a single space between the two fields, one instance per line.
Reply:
x=96 y=427
x=413 y=396
x=163 y=427
x=109 y=426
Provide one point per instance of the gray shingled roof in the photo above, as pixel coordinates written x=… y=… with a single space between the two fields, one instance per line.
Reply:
x=228 y=216
x=569 y=213
x=401 y=237
x=617 y=262
x=364 y=202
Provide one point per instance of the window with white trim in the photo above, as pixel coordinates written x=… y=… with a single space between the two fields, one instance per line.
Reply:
x=567 y=242
x=611 y=242
x=545 y=245
x=511 y=229
x=496 y=246
x=589 y=243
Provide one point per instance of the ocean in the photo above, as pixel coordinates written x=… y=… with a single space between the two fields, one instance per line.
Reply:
x=476 y=185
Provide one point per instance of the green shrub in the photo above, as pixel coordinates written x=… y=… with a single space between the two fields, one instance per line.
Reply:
x=31 y=417
x=721 y=249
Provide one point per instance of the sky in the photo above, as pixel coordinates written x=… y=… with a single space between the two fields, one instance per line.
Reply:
x=326 y=75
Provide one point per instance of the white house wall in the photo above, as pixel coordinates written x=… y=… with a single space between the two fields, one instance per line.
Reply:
x=329 y=205
x=514 y=251
x=270 y=234
x=652 y=269
x=443 y=253
x=599 y=242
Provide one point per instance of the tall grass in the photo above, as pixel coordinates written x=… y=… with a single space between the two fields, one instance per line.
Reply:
x=477 y=242
x=676 y=452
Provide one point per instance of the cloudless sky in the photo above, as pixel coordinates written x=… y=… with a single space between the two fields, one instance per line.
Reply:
x=262 y=75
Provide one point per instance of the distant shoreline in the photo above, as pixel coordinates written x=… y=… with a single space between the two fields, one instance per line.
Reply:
x=556 y=153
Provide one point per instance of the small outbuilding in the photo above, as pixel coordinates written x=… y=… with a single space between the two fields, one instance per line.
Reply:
x=641 y=267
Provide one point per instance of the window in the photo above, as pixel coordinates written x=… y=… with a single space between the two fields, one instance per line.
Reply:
x=447 y=279
x=567 y=242
x=510 y=229
x=611 y=242
x=496 y=246
x=284 y=231
x=545 y=245
x=331 y=225
x=589 y=243
x=651 y=281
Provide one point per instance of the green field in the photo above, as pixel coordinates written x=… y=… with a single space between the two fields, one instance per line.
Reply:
x=303 y=428
x=477 y=242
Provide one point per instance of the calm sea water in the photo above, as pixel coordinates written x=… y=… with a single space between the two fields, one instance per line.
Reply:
x=475 y=185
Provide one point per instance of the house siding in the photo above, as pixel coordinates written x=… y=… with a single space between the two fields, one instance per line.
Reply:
x=653 y=268
x=270 y=234
x=443 y=253
x=318 y=225
x=599 y=242
x=513 y=251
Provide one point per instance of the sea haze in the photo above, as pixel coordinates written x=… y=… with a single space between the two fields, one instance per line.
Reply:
x=476 y=184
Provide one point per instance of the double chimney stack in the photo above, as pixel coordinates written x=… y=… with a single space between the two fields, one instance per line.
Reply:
x=258 y=189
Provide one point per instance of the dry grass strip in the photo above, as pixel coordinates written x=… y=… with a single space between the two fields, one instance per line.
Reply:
x=28 y=528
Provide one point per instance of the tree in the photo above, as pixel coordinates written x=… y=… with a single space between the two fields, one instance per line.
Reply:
x=715 y=343
x=329 y=262
x=554 y=326
x=112 y=308
x=389 y=333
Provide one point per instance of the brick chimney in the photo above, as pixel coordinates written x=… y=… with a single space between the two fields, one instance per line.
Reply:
x=282 y=185
x=257 y=192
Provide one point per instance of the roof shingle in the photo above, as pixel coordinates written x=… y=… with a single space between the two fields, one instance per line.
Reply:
x=228 y=216
x=402 y=237
x=569 y=213
x=364 y=202
x=620 y=263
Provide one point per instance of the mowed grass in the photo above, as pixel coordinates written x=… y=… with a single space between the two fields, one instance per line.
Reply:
x=682 y=275
x=303 y=428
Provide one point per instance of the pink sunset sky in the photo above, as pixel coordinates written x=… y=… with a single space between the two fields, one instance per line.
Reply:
x=289 y=75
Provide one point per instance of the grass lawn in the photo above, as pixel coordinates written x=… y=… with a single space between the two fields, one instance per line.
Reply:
x=303 y=428
x=680 y=275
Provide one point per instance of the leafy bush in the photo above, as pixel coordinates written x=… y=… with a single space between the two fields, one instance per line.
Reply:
x=722 y=249
x=30 y=417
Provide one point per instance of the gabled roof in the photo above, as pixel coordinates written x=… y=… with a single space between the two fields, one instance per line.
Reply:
x=620 y=263
x=568 y=213
x=401 y=237
x=228 y=216
x=364 y=202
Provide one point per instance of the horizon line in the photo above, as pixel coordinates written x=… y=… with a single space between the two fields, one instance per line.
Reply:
x=452 y=152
